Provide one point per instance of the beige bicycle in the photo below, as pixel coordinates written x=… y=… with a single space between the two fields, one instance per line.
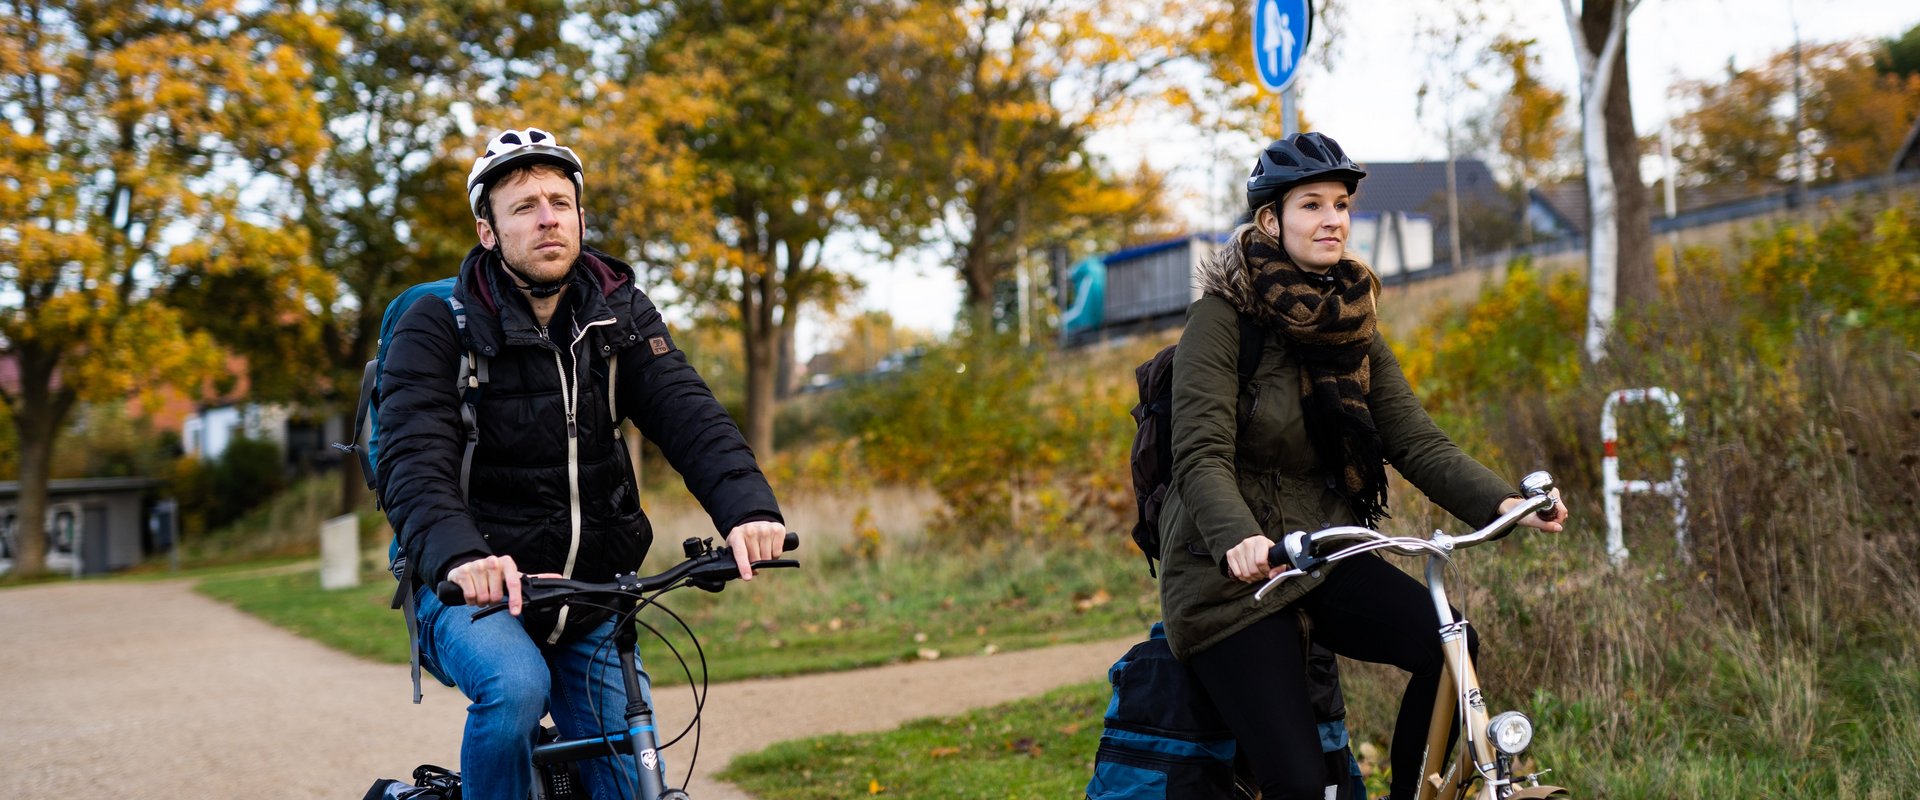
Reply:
x=1483 y=769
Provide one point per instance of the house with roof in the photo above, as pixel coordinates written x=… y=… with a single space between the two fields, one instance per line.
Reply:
x=1419 y=188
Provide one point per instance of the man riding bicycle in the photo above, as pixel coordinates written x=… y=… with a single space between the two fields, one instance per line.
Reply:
x=560 y=346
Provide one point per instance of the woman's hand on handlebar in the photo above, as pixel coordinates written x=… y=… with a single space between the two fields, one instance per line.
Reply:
x=756 y=541
x=490 y=580
x=1247 y=561
x=1553 y=522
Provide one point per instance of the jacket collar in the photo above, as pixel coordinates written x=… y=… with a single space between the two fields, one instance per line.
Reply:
x=498 y=315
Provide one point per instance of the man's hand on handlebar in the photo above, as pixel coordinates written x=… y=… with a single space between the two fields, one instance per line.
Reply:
x=756 y=541
x=1554 y=521
x=1247 y=561
x=489 y=580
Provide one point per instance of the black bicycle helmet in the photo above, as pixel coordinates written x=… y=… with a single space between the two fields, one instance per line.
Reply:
x=1296 y=159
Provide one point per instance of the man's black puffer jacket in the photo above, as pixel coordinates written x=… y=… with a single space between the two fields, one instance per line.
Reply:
x=522 y=496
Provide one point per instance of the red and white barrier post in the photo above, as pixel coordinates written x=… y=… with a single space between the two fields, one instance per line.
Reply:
x=1673 y=487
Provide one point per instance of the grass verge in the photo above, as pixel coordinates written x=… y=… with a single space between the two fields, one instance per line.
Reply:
x=838 y=612
x=1036 y=748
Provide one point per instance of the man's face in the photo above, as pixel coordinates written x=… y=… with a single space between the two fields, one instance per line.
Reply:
x=535 y=223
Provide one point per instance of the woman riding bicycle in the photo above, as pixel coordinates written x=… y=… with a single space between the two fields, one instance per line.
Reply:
x=1300 y=446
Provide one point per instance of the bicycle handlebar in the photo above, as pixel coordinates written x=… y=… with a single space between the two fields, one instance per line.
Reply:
x=707 y=567
x=1301 y=550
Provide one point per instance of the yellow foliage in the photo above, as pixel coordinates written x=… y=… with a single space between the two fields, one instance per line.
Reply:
x=144 y=121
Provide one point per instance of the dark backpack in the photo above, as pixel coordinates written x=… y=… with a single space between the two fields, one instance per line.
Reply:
x=366 y=416
x=1163 y=740
x=1152 y=454
x=470 y=380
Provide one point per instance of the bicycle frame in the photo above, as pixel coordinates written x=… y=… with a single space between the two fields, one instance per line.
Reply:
x=706 y=567
x=640 y=734
x=1459 y=699
x=1477 y=757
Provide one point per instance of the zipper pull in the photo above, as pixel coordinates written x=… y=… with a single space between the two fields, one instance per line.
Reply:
x=573 y=428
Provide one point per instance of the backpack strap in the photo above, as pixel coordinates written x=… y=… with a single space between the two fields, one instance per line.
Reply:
x=1253 y=341
x=470 y=381
x=368 y=378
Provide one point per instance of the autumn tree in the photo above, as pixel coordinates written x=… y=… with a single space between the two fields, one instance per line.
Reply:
x=1740 y=130
x=384 y=206
x=1899 y=56
x=1529 y=118
x=865 y=338
x=753 y=166
x=1860 y=115
x=991 y=103
x=1228 y=97
x=1732 y=135
x=132 y=134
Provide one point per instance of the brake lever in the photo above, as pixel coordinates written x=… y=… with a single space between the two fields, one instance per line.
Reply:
x=533 y=591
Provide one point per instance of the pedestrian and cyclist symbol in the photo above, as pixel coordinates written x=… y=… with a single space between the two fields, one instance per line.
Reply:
x=1281 y=29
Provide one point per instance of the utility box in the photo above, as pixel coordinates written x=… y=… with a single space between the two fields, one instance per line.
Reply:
x=340 y=552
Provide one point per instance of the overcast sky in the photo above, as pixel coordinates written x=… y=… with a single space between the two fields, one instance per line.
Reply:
x=1367 y=101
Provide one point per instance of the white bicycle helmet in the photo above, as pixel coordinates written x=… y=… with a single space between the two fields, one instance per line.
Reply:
x=512 y=149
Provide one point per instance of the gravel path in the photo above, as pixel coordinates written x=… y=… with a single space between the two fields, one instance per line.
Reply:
x=149 y=690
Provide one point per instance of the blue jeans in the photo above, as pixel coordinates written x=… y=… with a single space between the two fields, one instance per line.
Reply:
x=513 y=682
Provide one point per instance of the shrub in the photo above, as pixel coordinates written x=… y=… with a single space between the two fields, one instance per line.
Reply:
x=1801 y=389
x=1011 y=443
x=215 y=493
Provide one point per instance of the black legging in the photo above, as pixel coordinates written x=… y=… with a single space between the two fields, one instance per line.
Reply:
x=1366 y=610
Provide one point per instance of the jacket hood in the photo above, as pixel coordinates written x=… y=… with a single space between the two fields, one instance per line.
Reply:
x=483 y=288
x=600 y=269
x=1225 y=275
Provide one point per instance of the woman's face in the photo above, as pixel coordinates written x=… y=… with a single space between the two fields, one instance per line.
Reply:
x=1312 y=225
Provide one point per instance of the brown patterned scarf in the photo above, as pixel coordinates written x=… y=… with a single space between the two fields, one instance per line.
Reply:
x=1328 y=322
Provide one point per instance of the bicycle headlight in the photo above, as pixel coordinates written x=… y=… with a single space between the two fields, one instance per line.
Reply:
x=1510 y=732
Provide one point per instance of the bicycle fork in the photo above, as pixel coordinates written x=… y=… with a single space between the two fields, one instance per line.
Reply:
x=1457 y=702
x=644 y=736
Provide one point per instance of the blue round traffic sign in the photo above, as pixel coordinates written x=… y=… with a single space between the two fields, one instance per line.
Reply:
x=1281 y=29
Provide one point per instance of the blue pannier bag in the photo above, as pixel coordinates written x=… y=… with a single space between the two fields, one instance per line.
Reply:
x=1163 y=739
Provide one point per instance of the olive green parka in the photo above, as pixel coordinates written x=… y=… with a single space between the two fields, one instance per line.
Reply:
x=1242 y=464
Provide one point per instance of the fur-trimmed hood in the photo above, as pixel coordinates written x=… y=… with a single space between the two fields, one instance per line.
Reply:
x=1225 y=275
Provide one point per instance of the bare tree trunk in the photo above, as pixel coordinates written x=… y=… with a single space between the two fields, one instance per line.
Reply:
x=1636 y=283
x=39 y=411
x=979 y=274
x=758 y=336
x=1596 y=72
x=785 y=382
x=36 y=450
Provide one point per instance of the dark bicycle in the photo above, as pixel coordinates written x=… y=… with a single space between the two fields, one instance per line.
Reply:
x=707 y=567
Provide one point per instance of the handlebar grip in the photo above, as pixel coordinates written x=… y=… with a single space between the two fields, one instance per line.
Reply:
x=450 y=593
x=792 y=542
